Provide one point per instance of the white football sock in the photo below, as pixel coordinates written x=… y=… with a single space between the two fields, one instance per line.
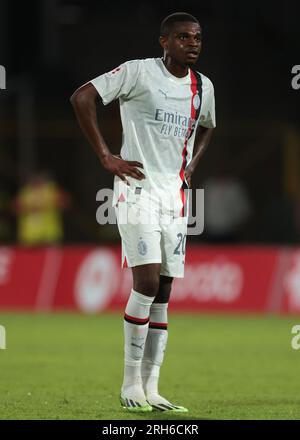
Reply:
x=155 y=347
x=136 y=323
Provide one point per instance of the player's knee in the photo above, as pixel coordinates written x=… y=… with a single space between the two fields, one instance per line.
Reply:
x=147 y=286
x=162 y=296
x=164 y=291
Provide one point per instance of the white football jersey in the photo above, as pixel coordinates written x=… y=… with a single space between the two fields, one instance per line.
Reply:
x=160 y=113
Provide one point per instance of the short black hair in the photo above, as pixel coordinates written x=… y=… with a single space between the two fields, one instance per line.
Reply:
x=167 y=23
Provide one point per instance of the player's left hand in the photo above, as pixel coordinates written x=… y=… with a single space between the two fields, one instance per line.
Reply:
x=188 y=175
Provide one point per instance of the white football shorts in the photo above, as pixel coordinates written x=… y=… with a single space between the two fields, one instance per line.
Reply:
x=150 y=235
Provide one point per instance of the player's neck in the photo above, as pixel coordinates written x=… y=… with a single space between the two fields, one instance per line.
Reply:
x=174 y=68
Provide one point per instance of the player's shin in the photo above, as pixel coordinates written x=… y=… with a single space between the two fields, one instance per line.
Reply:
x=136 y=322
x=153 y=358
x=155 y=347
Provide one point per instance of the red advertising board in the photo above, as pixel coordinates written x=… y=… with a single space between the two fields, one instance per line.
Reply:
x=90 y=279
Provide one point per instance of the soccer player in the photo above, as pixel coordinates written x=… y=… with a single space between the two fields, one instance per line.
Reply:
x=168 y=115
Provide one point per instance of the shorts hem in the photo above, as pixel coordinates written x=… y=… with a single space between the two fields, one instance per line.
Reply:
x=140 y=263
x=168 y=274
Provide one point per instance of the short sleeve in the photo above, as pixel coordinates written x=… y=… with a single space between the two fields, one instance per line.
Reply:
x=120 y=82
x=208 y=114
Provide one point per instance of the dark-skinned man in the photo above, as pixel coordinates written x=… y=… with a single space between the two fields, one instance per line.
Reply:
x=168 y=115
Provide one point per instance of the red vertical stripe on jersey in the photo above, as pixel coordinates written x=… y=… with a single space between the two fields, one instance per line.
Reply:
x=184 y=151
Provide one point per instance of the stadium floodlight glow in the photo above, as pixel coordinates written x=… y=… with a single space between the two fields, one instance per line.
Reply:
x=2 y=78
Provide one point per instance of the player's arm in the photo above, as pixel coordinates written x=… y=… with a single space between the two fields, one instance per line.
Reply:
x=84 y=102
x=202 y=139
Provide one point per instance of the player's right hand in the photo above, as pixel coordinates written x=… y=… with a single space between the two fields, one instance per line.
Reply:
x=121 y=168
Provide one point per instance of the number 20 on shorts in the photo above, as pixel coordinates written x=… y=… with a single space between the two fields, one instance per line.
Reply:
x=180 y=248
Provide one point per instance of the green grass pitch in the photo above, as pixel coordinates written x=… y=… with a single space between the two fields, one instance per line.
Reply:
x=70 y=366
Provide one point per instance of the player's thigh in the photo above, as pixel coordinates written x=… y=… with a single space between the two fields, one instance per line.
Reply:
x=164 y=291
x=146 y=278
x=173 y=247
x=140 y=239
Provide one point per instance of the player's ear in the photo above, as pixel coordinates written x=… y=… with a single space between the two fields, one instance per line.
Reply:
x=163 y=41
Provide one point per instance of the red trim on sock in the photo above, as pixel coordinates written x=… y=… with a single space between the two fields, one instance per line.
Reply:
x=139 y=320
x=159 y=324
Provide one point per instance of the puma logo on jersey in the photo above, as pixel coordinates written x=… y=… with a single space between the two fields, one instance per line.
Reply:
x=163 y=93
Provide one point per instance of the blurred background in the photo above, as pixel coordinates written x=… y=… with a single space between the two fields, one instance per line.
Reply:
x=251 y=168
x=55 y=257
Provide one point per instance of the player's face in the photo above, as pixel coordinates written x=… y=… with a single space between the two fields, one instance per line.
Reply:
x=183 y=44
